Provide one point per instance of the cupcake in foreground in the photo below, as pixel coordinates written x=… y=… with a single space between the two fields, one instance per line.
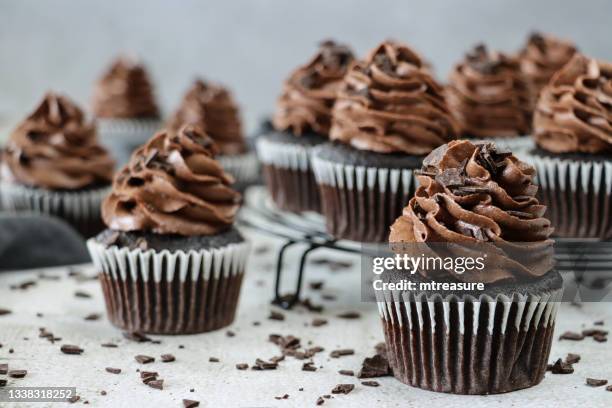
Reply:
x=302 y=120
x=53 y=164
x=171 y=261
x=573 y=133
x=491 y=98
x=212 y=107
x=125 y=108
x=541 y=58
x=473 y=197
x=389 y=113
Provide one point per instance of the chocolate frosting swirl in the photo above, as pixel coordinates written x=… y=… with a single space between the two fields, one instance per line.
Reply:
x=574 y=112
x=542 y=56
x=310 y=91
x=489 y=95
x=390 y=103
x=173 y=185
x=473 y=194
x=56 y=148
x=125 y=92
x=212 y=107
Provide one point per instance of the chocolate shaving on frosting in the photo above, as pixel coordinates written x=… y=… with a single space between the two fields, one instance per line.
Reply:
x=125 y=91
x=173 y=185
x=212 y=107
x=489 y=95
x=542 y=56
x=574 y=112
x=479 y=195
x=56 y=148
x=310 y=91
x=390 y=103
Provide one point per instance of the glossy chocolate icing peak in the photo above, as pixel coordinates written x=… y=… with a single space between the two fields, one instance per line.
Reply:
x=56 y=148
x=489 y=95
x=574 y=112
x=212 y=107
x=542 y=56
x=475 y=194
x=125 y=92
x=309 y=93
x=390 y=103
x=173 y=185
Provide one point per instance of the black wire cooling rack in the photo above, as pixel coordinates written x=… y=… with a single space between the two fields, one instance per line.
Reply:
x=589 y=262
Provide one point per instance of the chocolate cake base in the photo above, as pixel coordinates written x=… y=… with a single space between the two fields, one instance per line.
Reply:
x=473 y=345
x=362 y=193
x=292 y=190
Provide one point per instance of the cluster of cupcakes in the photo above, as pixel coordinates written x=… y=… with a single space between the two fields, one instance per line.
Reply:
x=348 y=133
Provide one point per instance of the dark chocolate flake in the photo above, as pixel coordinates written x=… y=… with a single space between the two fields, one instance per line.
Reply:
x=274 y=315
x=3 y=382
x=370 y=383
x=17 y=373
x=349 y=315
x=318 y=322
x=213 y=360
x=93 y=316
x=157 y=384
x=113 y=370
x=560 y=367
x=569 y=335
x=572 y=358
x=341 y=352
x=82 y=294
x=142 y=359
x=190 y=403
x=242 y=366
x=593 y=382
x=167 y=358
x=309 y=366
x=343 y=388
x=71 y=349
x=4 y=312
x=346 y=372
x=74 y=399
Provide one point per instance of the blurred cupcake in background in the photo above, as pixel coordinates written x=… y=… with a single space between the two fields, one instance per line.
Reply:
x=541 y=57
x=573 y=133
x=53 y=164
x=213 y=108
x=491 y=98
x=125 y=108
x=390 y=112
x=302 y=120
x=171 y=260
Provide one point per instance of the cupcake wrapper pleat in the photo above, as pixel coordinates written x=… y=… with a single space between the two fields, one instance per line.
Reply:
x=81 y=209
x=170 y=292
x=244 y=167
x=288 y=175
x=577 y=194
x=360 y=203
x=473 y=345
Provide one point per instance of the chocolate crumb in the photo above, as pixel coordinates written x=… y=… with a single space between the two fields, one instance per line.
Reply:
x=213 y=360
x=599 y=323
x=3 y=382
x=594 y=332
x=309 y=366
x=343 y=388
x=341 y=352
x=3 y=369
x=4 y=312
x=230 y=333
x=609 y=388
x=560 y=367
x=113 y=370
x=242 y=366
x=572 y=358
x=346 y=372
x=320 y=401
x=600 y=338
x=17 y=373
x=102 y=392
x=190 y=403
x=376 y=366
x=157 y=384
x=109 y=345
x=274 y=315
x=71 y=349
x=82 y=294
x=316 y=285
x=318 y=322
x=286 y=396
x=74 y=399
x=137 y=337
x=167 y=358
x=569 y=335
x=370 y=383
x=593 y=382
x=93 y=316
x=142 y=359
x=264 y=365
x=349 y=315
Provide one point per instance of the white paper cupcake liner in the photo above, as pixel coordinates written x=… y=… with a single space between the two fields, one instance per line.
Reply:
x=244 y=167
x=577 y=194
x=469 y=345
x=170 y=292
x=360 y=203
x=80 y=208
x=283 y=155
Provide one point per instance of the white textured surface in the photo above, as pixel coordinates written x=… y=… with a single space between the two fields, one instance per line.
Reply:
x=221 y=384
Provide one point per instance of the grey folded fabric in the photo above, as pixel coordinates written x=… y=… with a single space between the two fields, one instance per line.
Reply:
x=29 y=241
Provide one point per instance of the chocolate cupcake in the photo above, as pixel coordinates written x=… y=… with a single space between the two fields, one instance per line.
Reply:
x=171 y=261
x=389 y=113
x=474 y=197
x=573 y=133
x=491 y=98
x=541 y=58
x=212 y=107
x=302 y=121
x=53 y=164
x=124 y=105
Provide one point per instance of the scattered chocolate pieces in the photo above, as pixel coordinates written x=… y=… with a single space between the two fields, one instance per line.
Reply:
x=113 y=370
x=349 y=315
x=286 y=396
x=594 y=332
x=74 y=399
x=569 y=335
x=560 y=367
x=142 y=359
x=71 y=349
x=190 y=403
x=17 y=373
x=264 y=365
x=23 y=285
x=318 y=322
x=332 y=264
x=311 y=307
x=599 y=323
x=343 y=388
x=213 y=360
x=4 y=312
x=3 y=369
x=593 y=382
x=572 y=358
x=370 y=383
x=157 y=384
x=230 y=333
x=609 y=388
x=274 y=315
x=82 y=294
x=136 y=336
x=316 y=285
x=109 y=345
x=309 y=366
x=346 y=372
x=148 y=376
x=242 y=366
x=600 y=338
x=103 y=393
x=320 y=401
x=3 y=382
x=167 y=358
x=341 y=352
x=376 y=366
x=93 y=316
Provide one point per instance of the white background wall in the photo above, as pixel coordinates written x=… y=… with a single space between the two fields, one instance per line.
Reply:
x=252 y=44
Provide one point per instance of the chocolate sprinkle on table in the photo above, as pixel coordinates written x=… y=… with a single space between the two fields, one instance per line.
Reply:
x=190 y=403
x=109 y=345
x=346 y=372
x=3 y=369
x=167 y=358
x=4 y=312
x=17 y=373
x=318 y=322
x=341 y=352
x=3 y=383
x=93 y=316
x=316 y=285
x=309 y=366
x=572 y=358
x=157 y=384
x=343 y=388
x=349 y=315
x=376 y=366
x=320 y=401
x=213 y=360
x=74 y=399
x=242 y=366
x=370 y=383
x=113 y=370
x=569 y=335
x=560 y=367
x=142 y=359
x=71 y=349
x=274 y=315
x=593 y=382
x=137 y=337
x=82 y=294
